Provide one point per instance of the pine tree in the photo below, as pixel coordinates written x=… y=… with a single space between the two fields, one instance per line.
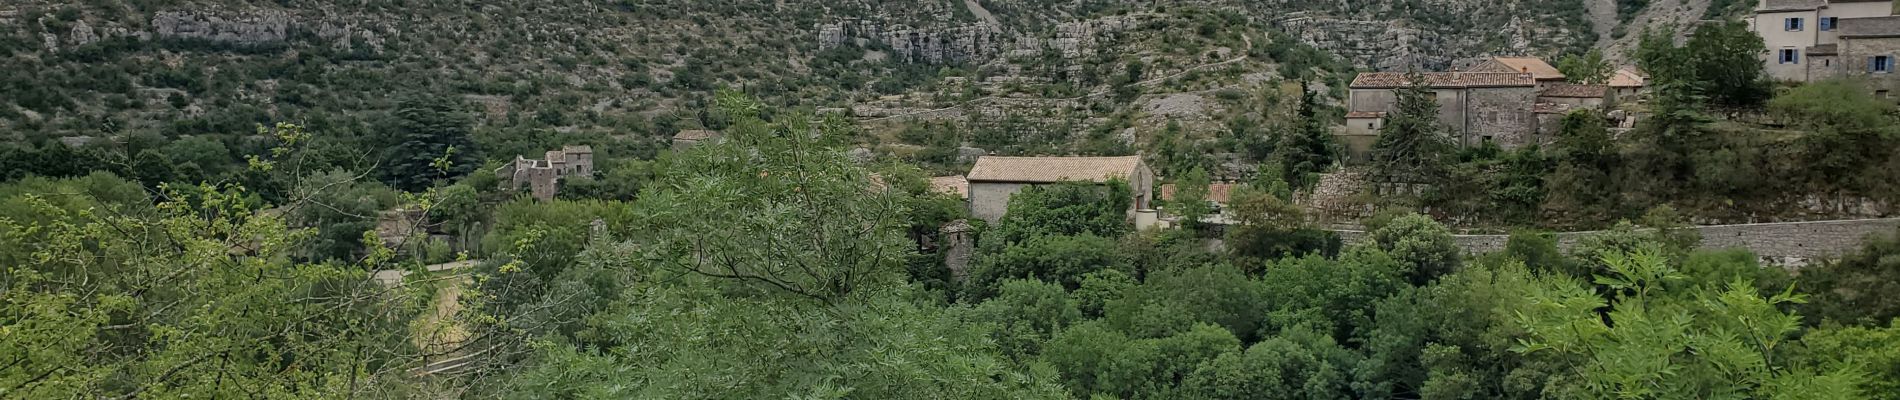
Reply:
x=436 y=144
x=1411 y=146
x=1308 y=150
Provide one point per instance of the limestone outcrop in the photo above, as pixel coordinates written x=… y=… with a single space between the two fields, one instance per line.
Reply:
x=246 y=28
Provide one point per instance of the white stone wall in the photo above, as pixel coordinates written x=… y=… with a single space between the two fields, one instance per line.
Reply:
x=989 y=200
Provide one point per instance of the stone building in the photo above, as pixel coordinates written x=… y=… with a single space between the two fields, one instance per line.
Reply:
x=1626 y=83
x=543 y=176
x=1474 y=107
x=1808 y=40
x=1867 y=51
x=994 y=179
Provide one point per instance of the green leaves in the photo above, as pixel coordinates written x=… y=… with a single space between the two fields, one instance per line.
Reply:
x=1701 y=343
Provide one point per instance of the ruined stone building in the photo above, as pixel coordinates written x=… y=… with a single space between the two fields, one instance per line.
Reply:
x=543 y=176
x=994 y=179
x=1811 y=40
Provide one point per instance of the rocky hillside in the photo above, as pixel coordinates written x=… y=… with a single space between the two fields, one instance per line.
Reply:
x=643 y=68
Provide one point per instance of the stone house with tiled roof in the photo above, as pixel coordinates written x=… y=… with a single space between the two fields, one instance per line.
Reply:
x=993 y=180
x=1474 y=107
x=1626 y=83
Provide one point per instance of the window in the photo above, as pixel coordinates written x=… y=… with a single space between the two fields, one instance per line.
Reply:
x=1790 y=56
x=1791 y=24
x=1881 y=64
x=1880 y=93
x=1827 y=23
x=1827 y=62
x=1368 y=125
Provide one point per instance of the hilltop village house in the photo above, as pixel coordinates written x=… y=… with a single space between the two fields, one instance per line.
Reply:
x=994 y=179
x=1812 y=40
x=541 y=176
x=1507 y=101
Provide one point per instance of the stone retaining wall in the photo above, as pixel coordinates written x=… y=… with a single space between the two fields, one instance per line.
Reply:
x=1786 y=241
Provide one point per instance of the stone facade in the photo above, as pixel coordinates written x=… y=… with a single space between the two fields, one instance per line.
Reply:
x=959 y=245
x=543 y=176
x=1856 y=61
x=1801 y=35
x=1796 y=242
x=1473 y=107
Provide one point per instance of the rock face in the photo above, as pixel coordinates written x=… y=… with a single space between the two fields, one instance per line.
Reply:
x=249 y=28
x=953 y=44
x=974 y=42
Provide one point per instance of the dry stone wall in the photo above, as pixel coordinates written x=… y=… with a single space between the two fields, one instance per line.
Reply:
x=1795 y=242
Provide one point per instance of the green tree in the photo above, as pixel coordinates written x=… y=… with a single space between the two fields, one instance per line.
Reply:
x=1411 y=145
x=1853 y=289
x=1588 y=69
x=1069 y=208
x=1026 y=313
x=778 y=205
x=1190 y=198
x=435 y=143
x=1423 y=245
x=1719 y=341
x=1310 y=149
x=1061 y=260
x=1580 y=189
x=194 y=297
x=1298 y=365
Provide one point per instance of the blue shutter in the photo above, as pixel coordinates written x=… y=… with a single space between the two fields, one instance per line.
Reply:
x=1872 y=62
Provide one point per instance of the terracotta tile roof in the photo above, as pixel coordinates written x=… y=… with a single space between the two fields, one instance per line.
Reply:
x=695 y=135
x=1443 y=80
x=1824 y=49
x=1574 y=91
x=1052 y=169
x=1538 y=69
x=1216 y=192
x=1790 y=5
x=951 y=185
x=1365 y=114
x=1870 y=27
x=1627 y=77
